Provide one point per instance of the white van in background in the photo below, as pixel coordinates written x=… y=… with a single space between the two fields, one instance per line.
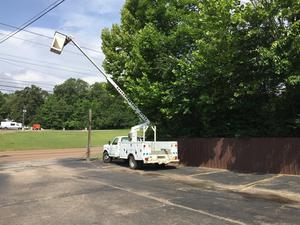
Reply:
x=10 y=125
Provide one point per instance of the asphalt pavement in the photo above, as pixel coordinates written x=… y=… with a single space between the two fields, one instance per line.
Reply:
x=73 y=191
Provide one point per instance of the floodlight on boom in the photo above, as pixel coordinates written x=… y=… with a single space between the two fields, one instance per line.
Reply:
x=59 y=42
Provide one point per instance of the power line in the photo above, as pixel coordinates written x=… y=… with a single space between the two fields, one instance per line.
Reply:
x=25 y=84
x=45 y=62
x=48 y=37
x=92 y=50
x=17 y=87
x=9 y=86
x=38 y=43
x=46 y=46
x=38 y=14
x=44 y=66
x=28 y=31
x=23 y=39
x=13 y=91
x=33 y=19
x=28 y=67
x=34 y=69
x=9 y=81
x=3 y=89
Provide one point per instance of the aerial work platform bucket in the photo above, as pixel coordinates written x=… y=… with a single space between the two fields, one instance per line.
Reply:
x=59 y=42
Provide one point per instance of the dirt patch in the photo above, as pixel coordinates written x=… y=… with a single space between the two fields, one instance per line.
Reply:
x=267 y=196
x=16 y=156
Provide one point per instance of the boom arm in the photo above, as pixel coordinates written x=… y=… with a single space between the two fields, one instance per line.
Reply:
x=145 y=121
x=60 y=40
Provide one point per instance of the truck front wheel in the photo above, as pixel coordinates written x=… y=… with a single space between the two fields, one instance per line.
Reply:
x=106 y=158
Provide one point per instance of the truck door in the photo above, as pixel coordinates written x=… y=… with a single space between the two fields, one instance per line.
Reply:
x=124 y=147
x=114 y=151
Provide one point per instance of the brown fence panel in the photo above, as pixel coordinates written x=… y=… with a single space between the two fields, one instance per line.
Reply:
x=253 y=155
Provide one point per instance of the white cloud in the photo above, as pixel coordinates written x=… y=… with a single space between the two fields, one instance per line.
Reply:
x=91 y=79
x=77 y=21
x=34 y=76
x=27 y=57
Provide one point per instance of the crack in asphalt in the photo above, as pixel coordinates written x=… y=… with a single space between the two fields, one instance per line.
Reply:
x=162 y=200
x=60 y=196
x=248 y=190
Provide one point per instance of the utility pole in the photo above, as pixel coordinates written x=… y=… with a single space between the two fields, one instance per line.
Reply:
x=23 y=125
x=88 y=152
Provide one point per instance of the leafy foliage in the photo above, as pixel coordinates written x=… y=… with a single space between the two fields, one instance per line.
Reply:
x=210 y=68
x=31 y=98
x=68 y=106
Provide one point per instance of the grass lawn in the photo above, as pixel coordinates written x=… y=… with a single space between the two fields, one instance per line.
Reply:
x=54 y=139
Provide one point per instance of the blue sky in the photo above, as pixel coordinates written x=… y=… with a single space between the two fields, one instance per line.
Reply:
x=83 y=19
x=16 y=11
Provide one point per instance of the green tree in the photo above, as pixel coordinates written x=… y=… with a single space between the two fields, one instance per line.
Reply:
x=53 y=113
x=210 y=68
x=69 y=105
x=160 y=51
x=30 y=98
x=4 y=111
x=72 y=90
x=267 y=61
x=109 y=110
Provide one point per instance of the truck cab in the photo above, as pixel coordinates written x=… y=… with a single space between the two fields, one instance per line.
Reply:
x=113 y=147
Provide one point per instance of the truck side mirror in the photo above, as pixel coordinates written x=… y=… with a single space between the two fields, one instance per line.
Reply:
x=109 y=142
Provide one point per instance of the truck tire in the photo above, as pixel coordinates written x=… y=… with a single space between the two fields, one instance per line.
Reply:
x=134 y=164
x=106 y=158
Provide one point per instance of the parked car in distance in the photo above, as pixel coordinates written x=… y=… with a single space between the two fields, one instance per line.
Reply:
x=36 y=126
x=10 y=125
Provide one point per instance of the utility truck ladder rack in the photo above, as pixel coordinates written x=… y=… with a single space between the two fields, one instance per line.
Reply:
x=141 y=115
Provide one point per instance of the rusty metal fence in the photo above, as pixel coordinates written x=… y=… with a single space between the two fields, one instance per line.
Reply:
x=253 y=155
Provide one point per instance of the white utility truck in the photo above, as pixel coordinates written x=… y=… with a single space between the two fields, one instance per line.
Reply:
x=141 y=152
x=135 y=149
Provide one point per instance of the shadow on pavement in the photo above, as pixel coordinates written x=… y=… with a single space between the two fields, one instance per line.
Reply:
x=145 y=167
x=4 y=182
x=83 y=163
